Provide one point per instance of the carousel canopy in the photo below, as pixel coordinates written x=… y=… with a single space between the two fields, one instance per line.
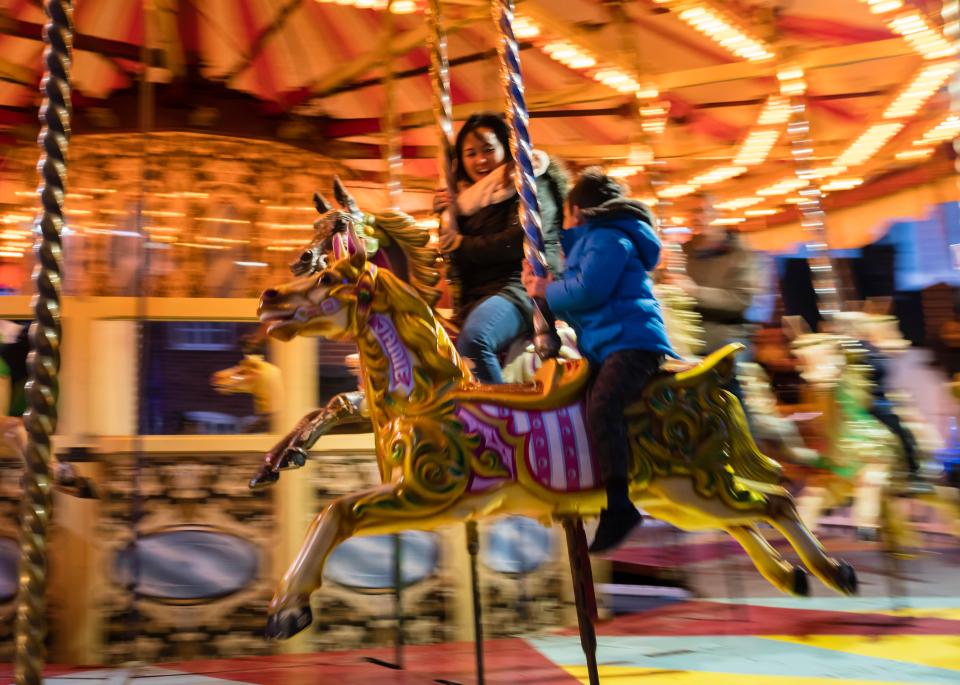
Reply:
x=696 y=91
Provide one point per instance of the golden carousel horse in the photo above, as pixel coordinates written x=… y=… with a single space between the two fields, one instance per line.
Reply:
x=450 y=449
x=392 y=239
x=253 y=375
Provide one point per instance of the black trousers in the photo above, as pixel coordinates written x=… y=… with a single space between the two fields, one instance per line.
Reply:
x=616 y=383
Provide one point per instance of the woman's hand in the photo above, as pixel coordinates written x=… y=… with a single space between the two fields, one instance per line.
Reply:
x=441 y=200
x=535 y=285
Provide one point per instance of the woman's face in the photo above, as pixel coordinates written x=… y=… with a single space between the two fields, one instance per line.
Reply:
x=482 y=153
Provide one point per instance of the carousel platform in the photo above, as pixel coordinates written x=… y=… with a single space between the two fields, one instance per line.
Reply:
x=726 y=628
x=758 y=641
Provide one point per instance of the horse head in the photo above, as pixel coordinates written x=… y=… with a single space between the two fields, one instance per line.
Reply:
x=240 y=378
x=332 y=227
x=323 y=303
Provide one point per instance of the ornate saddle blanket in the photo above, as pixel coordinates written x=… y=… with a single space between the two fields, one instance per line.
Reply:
x=551 y=445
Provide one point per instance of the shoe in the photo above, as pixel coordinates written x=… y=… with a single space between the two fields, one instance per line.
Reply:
x=615 y=526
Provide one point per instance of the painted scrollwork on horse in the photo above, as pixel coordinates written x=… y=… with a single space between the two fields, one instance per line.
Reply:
x=450 y=449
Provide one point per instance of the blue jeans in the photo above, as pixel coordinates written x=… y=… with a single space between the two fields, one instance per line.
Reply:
x=489 y=328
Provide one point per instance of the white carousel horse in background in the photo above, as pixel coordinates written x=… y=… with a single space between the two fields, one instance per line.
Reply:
x=864 y=460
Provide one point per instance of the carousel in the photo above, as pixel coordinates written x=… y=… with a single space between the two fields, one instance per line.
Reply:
x=245 y=441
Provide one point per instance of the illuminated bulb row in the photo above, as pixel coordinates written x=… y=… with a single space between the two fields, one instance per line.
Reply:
x=756 y=147
x=922 y=36
x=948 y=129
x=782 y=187
x=868 y=144
x=398 y=6
x=710 y=23
x=525 y=28
x=569 y=54
x=717 y=175
x=738 y=203
x=776 y=111
x=575 y=57
x=884 y=6
x=841 y=184
x=678 y=190
x=792 y=82
x=923 y=87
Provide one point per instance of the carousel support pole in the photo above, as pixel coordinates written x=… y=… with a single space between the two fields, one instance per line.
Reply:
x=473 y=547
x=394 y=164
x=584 y=595
x=42 y=388
x=545 y=338
x=443 y=113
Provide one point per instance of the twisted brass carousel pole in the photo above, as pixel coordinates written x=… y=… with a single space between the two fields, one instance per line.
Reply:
x=42 y=388
x=545 y=338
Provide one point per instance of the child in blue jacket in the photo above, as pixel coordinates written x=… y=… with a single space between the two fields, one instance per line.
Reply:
x=607 y=296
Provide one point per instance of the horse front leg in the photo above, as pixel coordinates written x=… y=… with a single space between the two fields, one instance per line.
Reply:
x=289 y=611
x=292 y=450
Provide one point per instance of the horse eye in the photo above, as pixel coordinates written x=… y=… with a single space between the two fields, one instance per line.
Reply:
x=306 y=257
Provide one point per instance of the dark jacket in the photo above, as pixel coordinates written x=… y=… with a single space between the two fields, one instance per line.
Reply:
x=727 y=282
x=490 y=256
x=606 y=293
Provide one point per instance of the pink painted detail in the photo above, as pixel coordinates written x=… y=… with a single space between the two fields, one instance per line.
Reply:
x=490 y=439
x=558 y=451
x=401 y=364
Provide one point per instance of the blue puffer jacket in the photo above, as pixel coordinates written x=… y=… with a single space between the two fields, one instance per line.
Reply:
x=606 y=293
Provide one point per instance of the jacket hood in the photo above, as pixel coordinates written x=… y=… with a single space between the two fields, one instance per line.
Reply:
x=633 y=218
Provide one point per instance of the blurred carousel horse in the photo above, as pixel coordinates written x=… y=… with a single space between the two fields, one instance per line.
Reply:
x=450 y=449
x=863 y=460
x=253 y=375
x=13 y=434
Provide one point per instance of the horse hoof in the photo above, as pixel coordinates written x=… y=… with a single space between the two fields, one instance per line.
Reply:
x=264 y=477
x=847 y=579
x=288 y=622
x=801 y=582
x=293 y=458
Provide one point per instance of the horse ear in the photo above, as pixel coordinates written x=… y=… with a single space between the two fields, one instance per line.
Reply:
x=320 y=202
x=339 y=246
x=344 y=198
x=358 y=251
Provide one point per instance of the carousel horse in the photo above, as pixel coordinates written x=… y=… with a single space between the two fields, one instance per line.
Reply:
x=392 y=239
x=863 y=460
x=450 y=449
x=253 y=375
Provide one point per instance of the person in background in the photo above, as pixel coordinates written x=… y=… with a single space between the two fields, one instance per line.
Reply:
x=722 y=276
x=606 y=295
x=485 y=241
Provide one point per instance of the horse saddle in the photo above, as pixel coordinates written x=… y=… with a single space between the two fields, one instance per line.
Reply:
x=560 y=383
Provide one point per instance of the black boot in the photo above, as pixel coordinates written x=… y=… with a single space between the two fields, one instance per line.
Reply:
x=618 y=519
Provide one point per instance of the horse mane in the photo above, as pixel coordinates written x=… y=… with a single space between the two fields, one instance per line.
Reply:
x=421 y=332
x=423 y=261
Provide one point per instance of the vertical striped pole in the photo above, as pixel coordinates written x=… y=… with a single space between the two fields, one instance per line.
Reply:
x=42 y=388
x=546 y=340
